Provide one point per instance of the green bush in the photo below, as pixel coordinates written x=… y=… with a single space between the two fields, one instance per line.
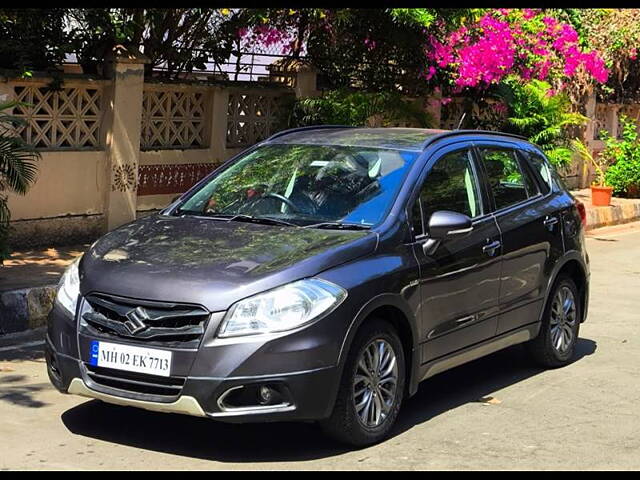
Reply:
x=623 y=157
x=543 y=116
x=343 y=107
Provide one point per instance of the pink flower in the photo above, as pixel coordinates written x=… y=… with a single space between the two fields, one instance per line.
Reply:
x=542 y=69
x=483 y=53
x=500 y=108
x=371 y=44
x=430 y=73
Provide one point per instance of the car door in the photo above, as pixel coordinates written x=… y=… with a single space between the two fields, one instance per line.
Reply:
x=459 y=280
x=530 y=227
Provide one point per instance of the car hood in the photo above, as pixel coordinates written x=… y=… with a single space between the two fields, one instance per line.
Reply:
x=211 y=262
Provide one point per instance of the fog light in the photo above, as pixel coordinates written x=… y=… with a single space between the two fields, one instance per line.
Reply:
x=266 y=395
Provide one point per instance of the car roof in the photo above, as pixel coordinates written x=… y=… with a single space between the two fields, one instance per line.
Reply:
x=413 y=139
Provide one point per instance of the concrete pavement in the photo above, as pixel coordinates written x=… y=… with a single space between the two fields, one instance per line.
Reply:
x=498 y=412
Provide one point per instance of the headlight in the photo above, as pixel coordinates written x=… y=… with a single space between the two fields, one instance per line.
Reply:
x=281 y=309
x=69 y=287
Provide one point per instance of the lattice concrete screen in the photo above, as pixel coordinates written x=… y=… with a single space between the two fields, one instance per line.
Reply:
x=66 y=118
x=172 y=119
x=600 y=122
x=253 y=116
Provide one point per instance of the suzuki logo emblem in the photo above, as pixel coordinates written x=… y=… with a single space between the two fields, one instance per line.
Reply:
x=135 y=321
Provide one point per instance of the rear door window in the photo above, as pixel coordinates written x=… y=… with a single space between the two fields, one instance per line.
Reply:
x=508 y=181
x=540 y=165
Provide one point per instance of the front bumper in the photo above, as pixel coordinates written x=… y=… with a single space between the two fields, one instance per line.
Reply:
x=210 y=373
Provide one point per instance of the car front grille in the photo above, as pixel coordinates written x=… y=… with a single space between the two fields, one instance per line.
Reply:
x=152 y=323
x=145 y=384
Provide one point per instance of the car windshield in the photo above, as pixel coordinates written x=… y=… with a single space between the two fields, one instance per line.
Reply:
x=305 y=185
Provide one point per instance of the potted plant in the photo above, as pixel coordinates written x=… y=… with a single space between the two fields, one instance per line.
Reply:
x=600 y=191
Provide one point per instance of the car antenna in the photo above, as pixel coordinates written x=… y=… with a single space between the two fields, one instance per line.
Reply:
x=461 y=120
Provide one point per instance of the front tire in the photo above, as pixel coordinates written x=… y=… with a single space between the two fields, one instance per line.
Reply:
x=555 y=344
x=371 y=388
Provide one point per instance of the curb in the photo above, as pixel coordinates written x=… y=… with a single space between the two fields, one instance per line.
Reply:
x=612 y=215
x=26 y=308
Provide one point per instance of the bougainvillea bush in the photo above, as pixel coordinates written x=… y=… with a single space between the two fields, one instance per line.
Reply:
x=615 y=33
x=526 y=43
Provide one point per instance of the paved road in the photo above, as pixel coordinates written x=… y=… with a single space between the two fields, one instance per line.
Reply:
x=495 y=413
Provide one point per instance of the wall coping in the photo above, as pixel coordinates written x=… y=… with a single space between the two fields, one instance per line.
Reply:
x=44 y=77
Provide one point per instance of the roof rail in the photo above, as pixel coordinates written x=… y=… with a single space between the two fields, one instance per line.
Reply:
x=452 y=133
x=302 y=129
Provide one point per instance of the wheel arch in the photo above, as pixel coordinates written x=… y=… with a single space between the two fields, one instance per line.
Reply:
x=393 y=309
x=573 y=267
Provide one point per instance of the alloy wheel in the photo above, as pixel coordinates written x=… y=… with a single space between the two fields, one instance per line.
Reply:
x=375 y=383
x=563 y=320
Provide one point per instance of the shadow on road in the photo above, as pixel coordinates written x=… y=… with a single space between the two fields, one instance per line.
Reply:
x=474 y=381
x=12 y=391
x=22 y=346
x=205 y=439
x=15 y=388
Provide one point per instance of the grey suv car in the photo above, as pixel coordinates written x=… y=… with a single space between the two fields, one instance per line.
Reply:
x=322 y=275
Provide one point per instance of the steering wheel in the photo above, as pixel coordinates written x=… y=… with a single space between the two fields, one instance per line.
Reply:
x=282 y=198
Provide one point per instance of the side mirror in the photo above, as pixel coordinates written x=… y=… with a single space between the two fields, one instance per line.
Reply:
x=444 y=223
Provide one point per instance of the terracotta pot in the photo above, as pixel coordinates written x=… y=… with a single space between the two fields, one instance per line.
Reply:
x=601 y=196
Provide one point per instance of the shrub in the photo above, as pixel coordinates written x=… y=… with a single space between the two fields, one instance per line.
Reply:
x=343 y=107
x=544 y=117
x=623 y=156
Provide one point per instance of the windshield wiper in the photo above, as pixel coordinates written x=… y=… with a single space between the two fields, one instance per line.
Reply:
x=195 y=213
x=241 y=217
x=238 y=217
x=339 y=226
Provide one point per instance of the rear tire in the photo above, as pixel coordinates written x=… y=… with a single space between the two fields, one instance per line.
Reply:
x=555 y=344
x=368 y=402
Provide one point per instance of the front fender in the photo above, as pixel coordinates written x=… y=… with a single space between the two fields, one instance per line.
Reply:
x=397 y=302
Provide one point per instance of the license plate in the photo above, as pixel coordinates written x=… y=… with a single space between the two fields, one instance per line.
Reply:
x=130 y=358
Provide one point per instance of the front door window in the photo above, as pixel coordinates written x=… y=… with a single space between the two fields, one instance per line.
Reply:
x=451 y=185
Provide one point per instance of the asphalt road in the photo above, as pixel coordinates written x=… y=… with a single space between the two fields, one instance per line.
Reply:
x=495 y=413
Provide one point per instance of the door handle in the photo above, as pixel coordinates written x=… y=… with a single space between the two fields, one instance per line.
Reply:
x=550 y=221
x=490 y=249
x=467 y=319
